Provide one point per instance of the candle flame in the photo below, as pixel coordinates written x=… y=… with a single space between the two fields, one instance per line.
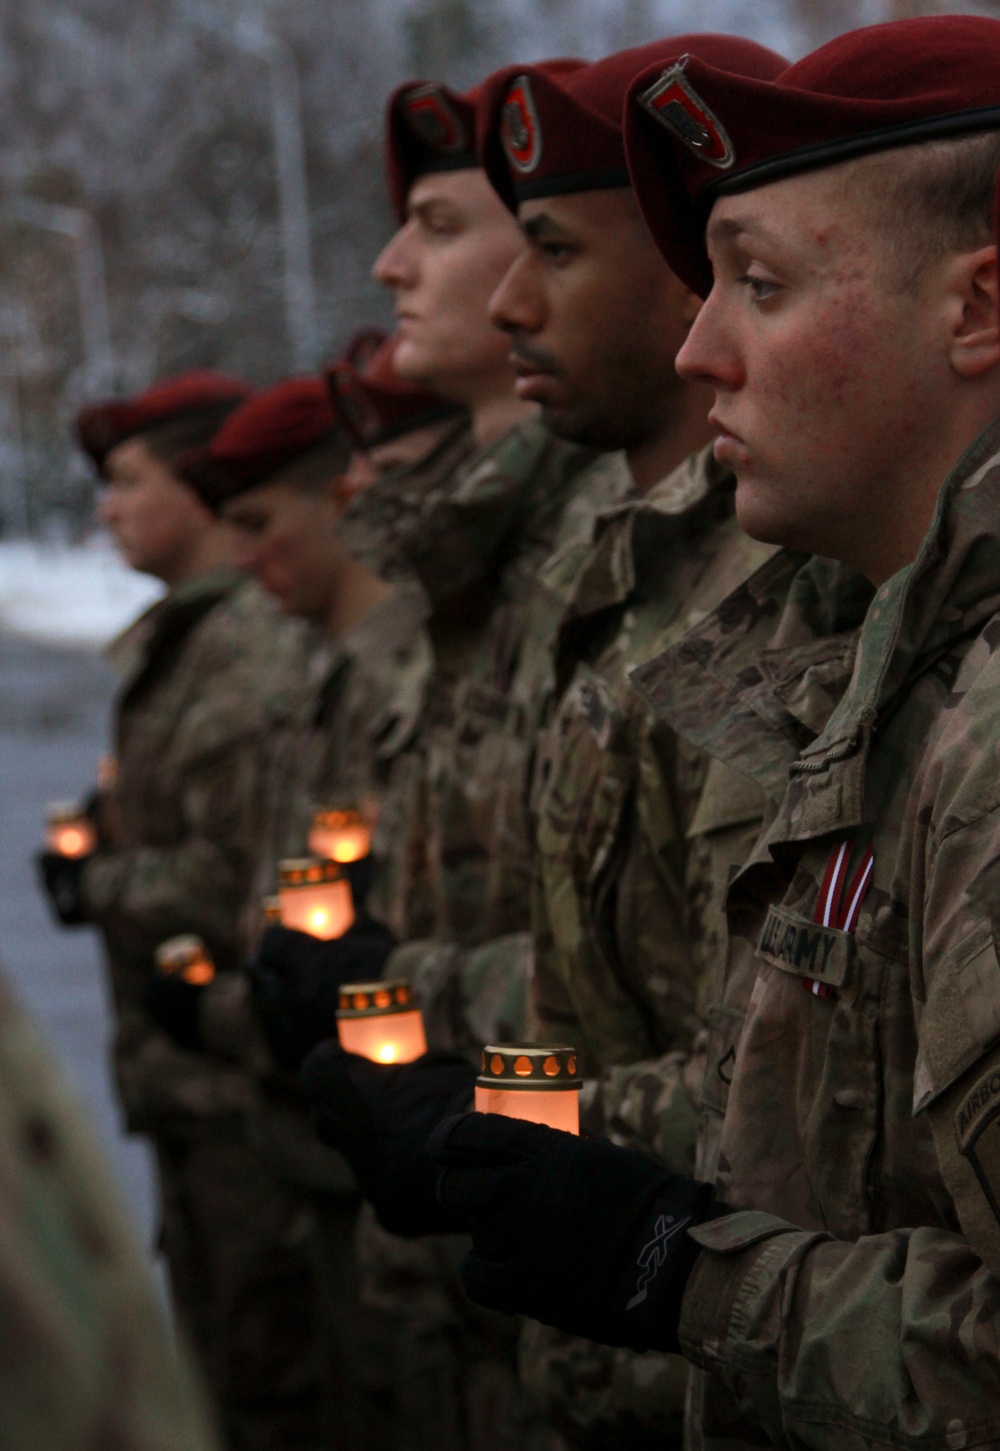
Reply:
x=319 y=917
x=387 y=1053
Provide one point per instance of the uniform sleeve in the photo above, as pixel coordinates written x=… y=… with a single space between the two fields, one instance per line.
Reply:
x=469 y=996
x=86 y=1358
x=896 y=1337
x=200 y=884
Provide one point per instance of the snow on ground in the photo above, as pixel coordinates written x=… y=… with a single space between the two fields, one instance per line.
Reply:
x=78 y=594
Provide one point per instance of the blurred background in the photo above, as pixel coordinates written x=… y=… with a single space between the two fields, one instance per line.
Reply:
x=198 y=183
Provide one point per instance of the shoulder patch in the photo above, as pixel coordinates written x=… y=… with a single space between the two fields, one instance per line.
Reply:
x=674 y=102
x=977 y=1129
x=519 y=128
x=432 y=117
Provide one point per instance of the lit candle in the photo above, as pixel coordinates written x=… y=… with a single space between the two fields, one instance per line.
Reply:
x=315 y=897
x=381 y=1021
x=68 y=831
x=534 y=1081
x=340 y=836
x=187 y=957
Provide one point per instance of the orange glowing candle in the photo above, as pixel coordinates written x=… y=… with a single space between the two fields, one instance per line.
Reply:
x=187 y=957
x=340 y=836
x=381 y=1021
x=68 y=831
x=315 y=897
x=534 y=1081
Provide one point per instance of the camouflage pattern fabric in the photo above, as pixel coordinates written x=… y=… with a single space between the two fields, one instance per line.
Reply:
x=850 y=1106
x=637 y=835
x=453 y=859
x=212 y=677
x=86 y=1359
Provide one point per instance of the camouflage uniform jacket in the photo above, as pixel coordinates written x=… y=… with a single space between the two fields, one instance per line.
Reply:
x=453 y=846
x=852 y=1096
x=86 y=1358
x=634 y=848
x=211 y=679
x=359 y=707
x=615 y=796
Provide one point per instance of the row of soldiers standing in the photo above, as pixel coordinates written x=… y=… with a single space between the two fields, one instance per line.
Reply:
x=569 y=693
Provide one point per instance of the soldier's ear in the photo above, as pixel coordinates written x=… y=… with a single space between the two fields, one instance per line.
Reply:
x=973 y=311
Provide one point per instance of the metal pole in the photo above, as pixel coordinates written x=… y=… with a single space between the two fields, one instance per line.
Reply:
x=290 y=167
x=92 y=292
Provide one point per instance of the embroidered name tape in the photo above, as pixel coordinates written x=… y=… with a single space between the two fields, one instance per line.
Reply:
x=675 y=103
x=820 y=954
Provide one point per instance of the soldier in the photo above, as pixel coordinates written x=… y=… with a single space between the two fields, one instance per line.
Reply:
x=209 y=679
x=87 y=1359
x=452 y=845
x=631 y=841
x=833 y=1270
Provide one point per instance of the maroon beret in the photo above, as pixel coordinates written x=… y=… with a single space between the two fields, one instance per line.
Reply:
x=103 y=426
x=375 y=404
x=696 y=130
x=429 y=127
x=270 y=431
x=555 y=128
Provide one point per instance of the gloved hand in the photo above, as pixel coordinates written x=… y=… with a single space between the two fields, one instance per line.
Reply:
x=573 y=1232
x=297 y=980
x=379 y=1115
x=174 y=1004
x=61 y=877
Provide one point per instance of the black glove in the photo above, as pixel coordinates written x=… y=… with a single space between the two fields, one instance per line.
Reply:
x=297 y=980
x=174 y=1004
x=379 y=1115
x=61 y=878
x=573 y=1232
x=359 y=874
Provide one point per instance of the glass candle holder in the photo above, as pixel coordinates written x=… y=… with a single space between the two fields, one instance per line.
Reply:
x=270 y=910
x=68 y=831
x=188 y=957
x=315 y=897
x=534 y=1081
x=340 y=836
x=381 y=1021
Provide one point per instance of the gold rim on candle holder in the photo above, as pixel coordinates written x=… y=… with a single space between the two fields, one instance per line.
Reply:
x=308 y=871
x=537 y=1066
x=376 y=999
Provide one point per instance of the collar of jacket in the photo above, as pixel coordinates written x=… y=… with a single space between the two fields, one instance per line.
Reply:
x=624 y=555
x=455 y=525
x=756 y=681
x=169 y=621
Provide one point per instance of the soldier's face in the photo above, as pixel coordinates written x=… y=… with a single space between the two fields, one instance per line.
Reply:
x=156 y=521
x=595 y=318
x=829 y=383
x=442 y=266
x=286 y=538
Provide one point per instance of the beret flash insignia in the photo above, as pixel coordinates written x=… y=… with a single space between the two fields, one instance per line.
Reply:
x=519 y=129
x=432 y=118
x=676 y=104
